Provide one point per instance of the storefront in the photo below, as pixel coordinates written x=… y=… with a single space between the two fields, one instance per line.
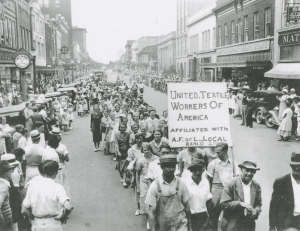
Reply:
x=245 y=62
x=49 y=76
x=9 y=74
x=287 y=71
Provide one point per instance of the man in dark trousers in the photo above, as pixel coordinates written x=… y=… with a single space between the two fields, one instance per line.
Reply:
x=285 y=203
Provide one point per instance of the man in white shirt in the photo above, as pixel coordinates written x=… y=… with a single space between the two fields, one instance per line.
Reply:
x=200 y=196
x=241 y=200
x=46 y=202
x=33 y=155
x=41 y=129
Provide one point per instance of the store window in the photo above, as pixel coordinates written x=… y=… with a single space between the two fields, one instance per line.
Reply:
x=220 y=36
x=240 y=30
x=267 y=22
x=246 y=29
x=232 y=32
x=5 y=31
x=13 y=33
x=290 y=53
x=256 y=25
x=226 y=34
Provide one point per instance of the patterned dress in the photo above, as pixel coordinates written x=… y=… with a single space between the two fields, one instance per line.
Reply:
x=142 y=168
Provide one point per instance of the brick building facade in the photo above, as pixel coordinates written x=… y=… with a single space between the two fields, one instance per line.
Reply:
x=244 y=39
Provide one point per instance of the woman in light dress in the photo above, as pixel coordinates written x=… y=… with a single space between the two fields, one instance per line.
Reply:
x=282 y=105
x=285 y=127
x=238 y=104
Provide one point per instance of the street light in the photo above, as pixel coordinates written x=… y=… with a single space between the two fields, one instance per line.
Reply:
x=34 y=54
x=195 y=63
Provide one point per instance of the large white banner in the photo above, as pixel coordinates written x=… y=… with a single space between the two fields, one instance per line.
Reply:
x=198 y=114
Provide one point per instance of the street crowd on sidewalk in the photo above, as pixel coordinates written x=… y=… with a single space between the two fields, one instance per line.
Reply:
x=176 y=189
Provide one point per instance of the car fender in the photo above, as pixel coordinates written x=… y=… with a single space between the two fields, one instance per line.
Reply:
x=263 y=110
x=275 y=116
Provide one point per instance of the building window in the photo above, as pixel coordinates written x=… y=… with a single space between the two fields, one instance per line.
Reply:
x=214 y=37
x=226 y=34
x=57 y=3
x=220 y=35
x=1 y=31
x=233 y=32
x=203 y=46
x=239 y=30
x=246 y=30
x=256 y=25
x=268 y=22
x=46 y=3
x=208 y=39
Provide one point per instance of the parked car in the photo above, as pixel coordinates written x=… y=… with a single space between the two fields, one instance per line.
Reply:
x=14 y=114
x=272 y=118
x=265 y=104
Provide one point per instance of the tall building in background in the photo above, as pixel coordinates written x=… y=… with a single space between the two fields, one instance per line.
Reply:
x=166 y=51
x=181 y=41
x=59 y=8
x=79 y=35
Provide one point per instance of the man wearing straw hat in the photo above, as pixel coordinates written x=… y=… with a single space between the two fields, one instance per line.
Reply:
x=33 y=155
x=241 y=200
x=219 y=172
x=168 y=199
x=6 y=171
x=285 y=203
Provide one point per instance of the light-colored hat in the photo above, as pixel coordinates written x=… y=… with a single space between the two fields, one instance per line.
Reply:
x=285 y=90
x=10 y=158
x=168 y=158
x=55 y=131
x=34 y=134
x=249 y=164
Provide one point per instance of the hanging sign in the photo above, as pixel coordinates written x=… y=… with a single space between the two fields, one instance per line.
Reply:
x=22 y=59
x=198 y=114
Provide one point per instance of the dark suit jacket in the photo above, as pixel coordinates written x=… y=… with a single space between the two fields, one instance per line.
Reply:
x=233 y=217
x=36 y=117
x=282 y=203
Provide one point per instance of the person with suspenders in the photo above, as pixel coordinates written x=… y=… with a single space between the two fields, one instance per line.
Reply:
x=168 y=198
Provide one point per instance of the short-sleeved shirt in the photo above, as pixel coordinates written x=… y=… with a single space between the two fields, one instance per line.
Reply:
x=221 y=172
x=167 y=190
x=45 y=197
x=199 y=195
x=186 y=156
x=50 y=154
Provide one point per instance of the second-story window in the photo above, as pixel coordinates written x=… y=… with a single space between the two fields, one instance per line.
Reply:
x=220 y=36
x=232 y=32
x=239 y=30
x=268 y=22
x=214 y=37
x=226 y=34
x=256 y=25
x=57 y=3
x=246 y=30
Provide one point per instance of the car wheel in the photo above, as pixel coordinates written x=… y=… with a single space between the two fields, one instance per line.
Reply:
x=259 y=117
x=269 y=121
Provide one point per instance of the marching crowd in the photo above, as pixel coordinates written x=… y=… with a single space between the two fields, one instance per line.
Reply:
x=176 y=189
x=184 y=189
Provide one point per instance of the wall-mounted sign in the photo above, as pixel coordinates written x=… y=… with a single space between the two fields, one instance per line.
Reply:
x=292 y=12
x=244 y=48
x=22 y=59
x=287 y=39
x=64 y=50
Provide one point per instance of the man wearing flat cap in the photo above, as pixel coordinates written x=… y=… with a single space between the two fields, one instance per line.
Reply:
x=285 y=203
x=241 y=200
x=168 y=199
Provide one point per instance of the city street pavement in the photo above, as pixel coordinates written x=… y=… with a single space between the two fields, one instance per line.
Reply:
x=101 y=203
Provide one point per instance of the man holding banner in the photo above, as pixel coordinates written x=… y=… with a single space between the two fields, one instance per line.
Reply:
x=219 y=172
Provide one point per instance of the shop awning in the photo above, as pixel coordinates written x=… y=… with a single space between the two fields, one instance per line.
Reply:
x=39 y=68
x=284 y=71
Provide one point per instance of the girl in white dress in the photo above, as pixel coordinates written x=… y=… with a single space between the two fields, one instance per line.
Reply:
x=285 y=127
